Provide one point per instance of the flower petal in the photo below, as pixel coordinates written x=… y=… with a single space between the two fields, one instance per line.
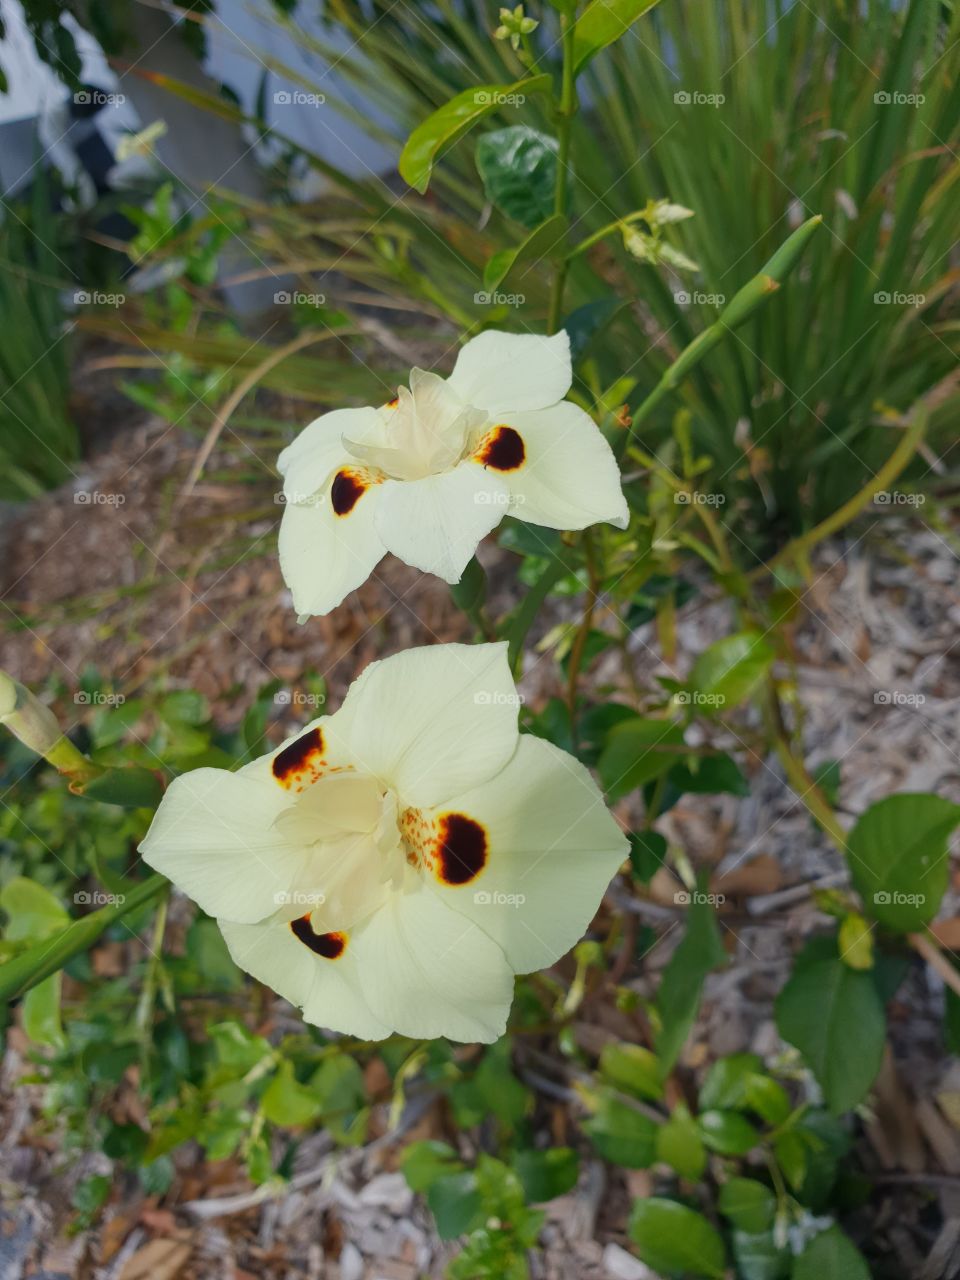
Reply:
x=429 y=972
x=436 y=524
x=213 y=835
x=430 y=722
x=326 y=989
x=309 y=462
x=325 y=555
x=552 y=849
x=567 y=476
x=513 y=371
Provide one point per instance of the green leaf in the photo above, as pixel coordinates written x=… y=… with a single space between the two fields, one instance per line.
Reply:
x=519 y=171
x=834 y=1016
x=632 y=1069
x=546 y=1174
x=33 y=912
x=855 y=942
x=287 y=1102
x=338 y=1085
x=130 y=787
x=831 y=1256
x=712 y=775
x=456 y=1204
x=621 y=1134
x=601 y=23
x=675 y=1240
x=678 y=998
x=450 y=122
x=740 y=1083
x=41 y=1013
x=547 y=241
x=680 y=1146
x=648 y=850
x=727 y=1132
x=423 y=1163
x=630 y=755
x=758 y=1257
x=898 y=858
x=748 y=1204
x=729 y=671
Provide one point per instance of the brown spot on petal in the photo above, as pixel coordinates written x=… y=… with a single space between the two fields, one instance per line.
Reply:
x=301 y=762
x=461 y=851
x=502 y=448
x=392 y=404
x=346 y=491
x=329 y=945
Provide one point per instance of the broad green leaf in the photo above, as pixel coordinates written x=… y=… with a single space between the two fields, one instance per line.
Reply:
x=898 y=858
x=648 y=849
x=748 y=1204
x=740 y=1083
x=547 y=241
x=455 y=1203
x=455 y=118
x=546 y=1174
x=41 y=1013
x=728 y=672
x=587 y=322
x=33 y=912
x=712 y=775
x=758 y=1257
x=601 y=23
x=632 y=1069
x=339 y=1088
x=675 y=1240
x=831 y=1256
x=288 y=1102
x=422 y=1163
x=833 y=1015
x=621 y=1134
x=679 y=996
x=679 y=1145
x=130 y=787
x=633 y=754
x=727 y=1132
x=519 y=171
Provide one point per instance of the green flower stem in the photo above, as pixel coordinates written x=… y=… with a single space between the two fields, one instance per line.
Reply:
x=18 y=975
x=566 y=110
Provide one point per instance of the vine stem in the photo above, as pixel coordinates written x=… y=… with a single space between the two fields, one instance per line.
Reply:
x=566 y=110
x=583 y=630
